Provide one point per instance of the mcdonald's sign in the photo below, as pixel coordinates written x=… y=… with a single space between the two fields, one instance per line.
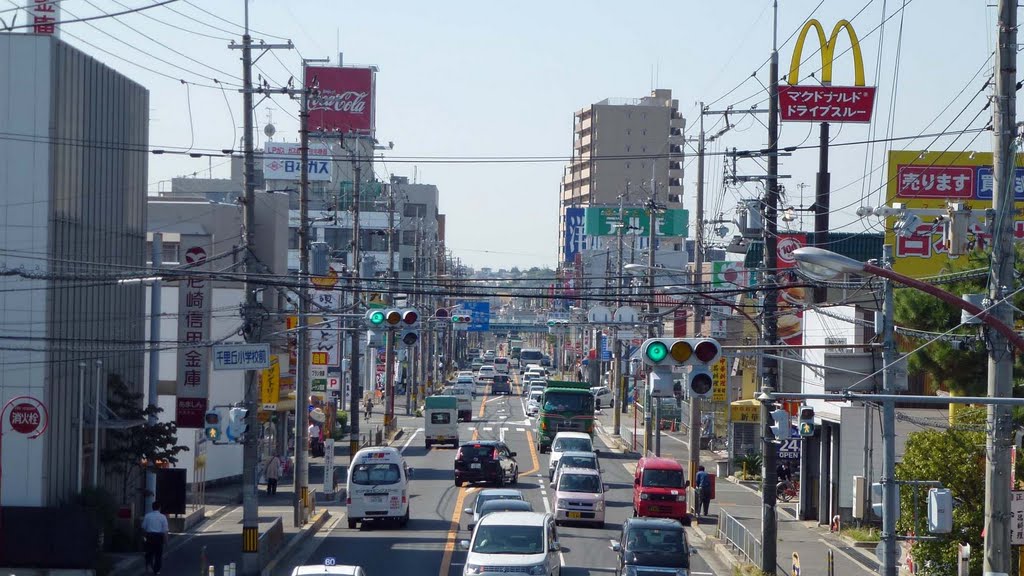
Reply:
x=826 y=103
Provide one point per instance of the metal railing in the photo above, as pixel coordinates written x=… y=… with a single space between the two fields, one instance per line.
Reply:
x=736 y=536
x=374 y=437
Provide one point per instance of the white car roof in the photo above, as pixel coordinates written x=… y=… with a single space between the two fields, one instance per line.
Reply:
x=319 y=570
x=514 y=519
x=582 y=435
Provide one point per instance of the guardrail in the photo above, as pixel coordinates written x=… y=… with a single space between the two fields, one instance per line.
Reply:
x=736 y=536
x=374 y=437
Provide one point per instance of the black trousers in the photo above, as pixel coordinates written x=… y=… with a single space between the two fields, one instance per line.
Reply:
x=155 y=550
x=271 y=486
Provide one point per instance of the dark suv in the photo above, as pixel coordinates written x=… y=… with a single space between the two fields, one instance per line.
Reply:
x=652 y=543
x=501 y=384
x=486 y=461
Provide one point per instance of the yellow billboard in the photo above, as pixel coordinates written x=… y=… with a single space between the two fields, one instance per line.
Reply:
x=928 y=180
x=720 y=380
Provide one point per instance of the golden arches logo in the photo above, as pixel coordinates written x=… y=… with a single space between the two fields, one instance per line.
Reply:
x=828 y=47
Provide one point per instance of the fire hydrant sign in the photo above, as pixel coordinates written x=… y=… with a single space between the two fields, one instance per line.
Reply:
x=25 y=418
x=194 y=305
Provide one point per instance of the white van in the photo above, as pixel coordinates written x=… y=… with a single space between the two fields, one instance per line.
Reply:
x=464 y=393
x=441 y=421
x=378 y=486
x=501 y=365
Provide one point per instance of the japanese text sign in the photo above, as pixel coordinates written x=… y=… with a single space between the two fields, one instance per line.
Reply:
x=44 y=15
x=241 y=356
x=194 y=305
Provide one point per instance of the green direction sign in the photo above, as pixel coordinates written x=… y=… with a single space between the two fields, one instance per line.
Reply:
x=601 y=221
x=318 y=385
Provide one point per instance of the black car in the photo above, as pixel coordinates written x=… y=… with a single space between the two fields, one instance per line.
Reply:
x=501 y=384
x=486 y=461
x=652 y=543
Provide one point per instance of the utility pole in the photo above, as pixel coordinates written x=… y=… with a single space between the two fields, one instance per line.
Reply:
x=618 y=390
x=302 y=337
x=997 y=549
x=890 y=494
x=353 y=403
x=652 y=330
x=698 y=308
x=822 y=192
x=389 y=368
x=770 y=325
x=155 y=288
x=414 y=351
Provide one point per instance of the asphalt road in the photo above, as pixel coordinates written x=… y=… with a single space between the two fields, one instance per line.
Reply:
x=428 y=546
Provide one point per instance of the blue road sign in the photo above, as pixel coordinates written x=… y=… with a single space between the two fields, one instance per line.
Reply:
x=606 y=353
x=480 y=312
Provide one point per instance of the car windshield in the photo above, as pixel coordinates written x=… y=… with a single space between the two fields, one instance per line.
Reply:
x=663 y=478
x=578 y=462
x=534 y=396
x=500 y=539
x=573 y=444
x=579 y=483
x=489 y=497
x=373 y=474
x=568 y=402
x=667 y=541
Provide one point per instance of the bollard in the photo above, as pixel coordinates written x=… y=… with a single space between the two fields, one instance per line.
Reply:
x=227 y=568
x=211 y=571
x=232 y=568
x=203 y=566
x=831 y=563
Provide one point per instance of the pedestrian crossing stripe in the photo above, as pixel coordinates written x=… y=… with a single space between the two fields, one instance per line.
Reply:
x=520 y=429
x=488 y=429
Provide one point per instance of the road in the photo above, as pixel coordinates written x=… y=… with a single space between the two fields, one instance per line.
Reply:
x=428 y=546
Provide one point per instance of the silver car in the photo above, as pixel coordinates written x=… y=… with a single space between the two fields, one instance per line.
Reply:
x=488 y=495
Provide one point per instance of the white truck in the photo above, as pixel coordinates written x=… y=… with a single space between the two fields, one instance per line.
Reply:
x=441 y=421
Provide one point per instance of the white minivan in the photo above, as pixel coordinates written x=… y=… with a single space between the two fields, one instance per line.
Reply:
x=378 y=486
x=514 y=542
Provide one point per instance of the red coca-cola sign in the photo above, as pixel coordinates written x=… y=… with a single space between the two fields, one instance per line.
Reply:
x=342 y=99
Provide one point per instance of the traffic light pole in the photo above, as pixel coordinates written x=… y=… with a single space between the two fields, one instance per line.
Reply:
x=698 y=309
x=302 y=335
x=389 y=356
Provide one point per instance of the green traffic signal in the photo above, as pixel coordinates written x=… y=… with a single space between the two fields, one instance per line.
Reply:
x=657 y=351
x=376 y=317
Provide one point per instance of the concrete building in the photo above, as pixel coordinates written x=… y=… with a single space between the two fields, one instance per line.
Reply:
x=73 y=200
x=221 y=223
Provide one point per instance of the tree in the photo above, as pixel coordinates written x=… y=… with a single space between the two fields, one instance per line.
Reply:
x=129 y=448
x=956 y=458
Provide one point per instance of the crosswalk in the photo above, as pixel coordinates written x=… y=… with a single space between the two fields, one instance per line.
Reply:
x=471 y=429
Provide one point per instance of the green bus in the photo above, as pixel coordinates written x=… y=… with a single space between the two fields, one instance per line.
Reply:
x=564 y=407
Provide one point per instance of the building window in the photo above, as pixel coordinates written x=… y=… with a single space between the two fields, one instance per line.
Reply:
x=413 y=210
x=338 y=238
x=408 y=237
x=168 y=252
x=407 y=265
x=627 y=147
x=293 y=238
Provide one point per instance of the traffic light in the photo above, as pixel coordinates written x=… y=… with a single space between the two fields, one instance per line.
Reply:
x=212 y=428
x=374 y=318
x=680 y=352
x=876 y=500
x=409 y=337
x=237 y=424
x=460 y=319
x=441 y=313
x=697 y=353
x=780 y=424
x=806 y=421
x=404 y=320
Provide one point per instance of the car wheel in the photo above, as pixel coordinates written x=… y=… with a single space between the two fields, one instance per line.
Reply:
x=426 y=444
x=352 y=523
x=515 y=476
x=634 y=513
x=405 y=519
x=501 y=480
x=458 y=483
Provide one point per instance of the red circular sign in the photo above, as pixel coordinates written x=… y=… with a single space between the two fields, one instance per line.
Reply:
x=25 y=418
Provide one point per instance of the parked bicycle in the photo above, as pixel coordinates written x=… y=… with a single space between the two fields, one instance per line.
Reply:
x=787 y=490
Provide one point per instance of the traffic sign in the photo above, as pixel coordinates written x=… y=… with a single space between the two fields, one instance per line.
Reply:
x=241 y=356
x=25 y=418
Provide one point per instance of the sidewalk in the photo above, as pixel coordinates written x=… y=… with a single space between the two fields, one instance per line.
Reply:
x=218 y=538
x=743 y=503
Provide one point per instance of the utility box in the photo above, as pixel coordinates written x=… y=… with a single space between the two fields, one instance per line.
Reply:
x=940 y=511
x=860 y=496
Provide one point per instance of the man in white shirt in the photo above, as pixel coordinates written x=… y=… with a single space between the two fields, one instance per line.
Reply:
x=154 y=526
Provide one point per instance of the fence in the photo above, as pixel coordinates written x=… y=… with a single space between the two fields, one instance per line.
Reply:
x=736 y=535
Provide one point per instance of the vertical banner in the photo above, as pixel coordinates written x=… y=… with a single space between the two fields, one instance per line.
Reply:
x=790 y=299
x=323 y=337
x=679 y=323
x=194 y=305
x=720 y=321
x=270 y=384
x=719 y=380
x=44 y=15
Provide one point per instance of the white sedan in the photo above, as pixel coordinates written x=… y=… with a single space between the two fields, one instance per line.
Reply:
x=602 y=396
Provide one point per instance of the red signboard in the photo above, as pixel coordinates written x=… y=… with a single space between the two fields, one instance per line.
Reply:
x=826 y=103
x=679 y=323
x=25 y=418
x=342 y=100
x=790 y=300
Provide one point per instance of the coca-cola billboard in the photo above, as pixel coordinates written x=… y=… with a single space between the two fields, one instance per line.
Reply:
x=343 y=99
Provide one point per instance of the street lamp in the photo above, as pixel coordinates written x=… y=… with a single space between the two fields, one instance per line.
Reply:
x=825 y=265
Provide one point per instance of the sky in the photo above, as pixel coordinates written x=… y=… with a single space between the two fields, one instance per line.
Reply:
x=502 y=80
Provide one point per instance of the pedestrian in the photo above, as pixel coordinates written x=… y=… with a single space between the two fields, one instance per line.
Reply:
x=273 y=473
x=705 y=491
x=369 y=407
x=154 y=526
x=698 y=493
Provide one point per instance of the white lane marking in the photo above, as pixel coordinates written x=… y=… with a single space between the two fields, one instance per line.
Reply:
x=520 y=429
x=547 y=506
x=409 y=441
x=489 y=400
x=488 y=429
x=501 y=434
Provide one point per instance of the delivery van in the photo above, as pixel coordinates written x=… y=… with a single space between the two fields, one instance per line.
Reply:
x=441 y=421
x=378 y=486
x=659 y=489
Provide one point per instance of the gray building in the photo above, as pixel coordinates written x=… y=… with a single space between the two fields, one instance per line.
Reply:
x=73 y=199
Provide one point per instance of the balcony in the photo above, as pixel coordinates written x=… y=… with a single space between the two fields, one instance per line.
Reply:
x=677 y=123
x=676 y=173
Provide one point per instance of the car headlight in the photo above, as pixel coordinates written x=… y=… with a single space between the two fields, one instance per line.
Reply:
x=681 y=498
x=472 y=569
x=599 y=505
x=644 y=496
x=560 y=503
x=538 y=570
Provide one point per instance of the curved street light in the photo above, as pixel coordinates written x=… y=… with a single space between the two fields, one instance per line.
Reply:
x=824 y=265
